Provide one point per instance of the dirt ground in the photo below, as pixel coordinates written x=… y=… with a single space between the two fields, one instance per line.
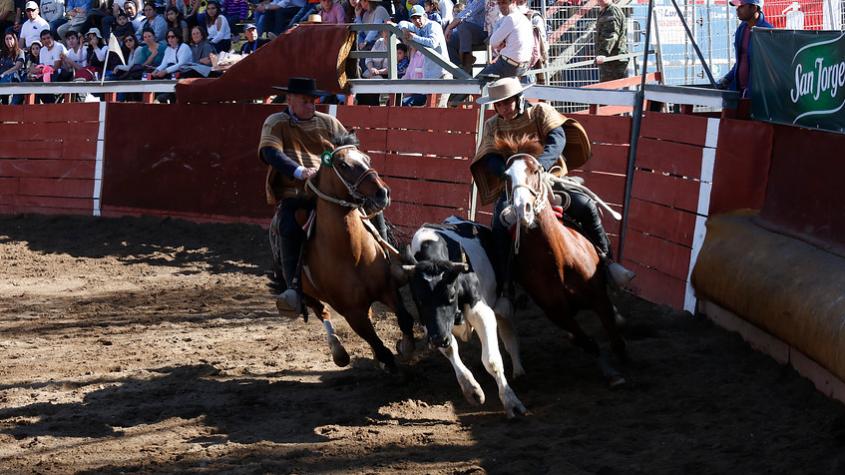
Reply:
x=150 y=345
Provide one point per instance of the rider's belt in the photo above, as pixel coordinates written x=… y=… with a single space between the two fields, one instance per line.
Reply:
x=514 y=63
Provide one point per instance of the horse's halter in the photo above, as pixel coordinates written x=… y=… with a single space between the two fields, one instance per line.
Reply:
x=541 y=196
x=327 y=160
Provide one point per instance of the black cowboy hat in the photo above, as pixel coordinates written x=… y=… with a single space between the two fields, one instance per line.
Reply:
x=306 y=86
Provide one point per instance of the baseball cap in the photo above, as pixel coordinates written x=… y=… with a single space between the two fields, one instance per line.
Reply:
x=250 y=26
x=737 y=3
x=417 y=10
x=30 y=6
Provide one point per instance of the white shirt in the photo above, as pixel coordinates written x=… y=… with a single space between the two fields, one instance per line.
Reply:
x=52 y=10
x=173 y=59
x=31 y=31
x=50 y=56
x=79 y=56
x=513 y=37
x=219 y=30
x=446 y=7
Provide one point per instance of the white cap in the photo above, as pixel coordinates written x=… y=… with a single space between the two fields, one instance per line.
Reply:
x=30 y=5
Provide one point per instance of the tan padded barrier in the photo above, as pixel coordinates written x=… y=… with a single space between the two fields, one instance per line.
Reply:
x=785 y=286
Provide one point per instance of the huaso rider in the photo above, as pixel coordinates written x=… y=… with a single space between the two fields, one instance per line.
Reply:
x=515 y=116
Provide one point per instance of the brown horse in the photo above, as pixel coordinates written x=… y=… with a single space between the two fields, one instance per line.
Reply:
x=344 y=265
x=556 y=265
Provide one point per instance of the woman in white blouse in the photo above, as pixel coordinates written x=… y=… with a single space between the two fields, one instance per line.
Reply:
x=177 y=55
x=217 y=26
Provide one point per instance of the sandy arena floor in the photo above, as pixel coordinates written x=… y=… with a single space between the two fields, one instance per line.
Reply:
x=149 y=345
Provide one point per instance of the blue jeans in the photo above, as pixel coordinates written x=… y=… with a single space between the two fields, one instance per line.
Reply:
x=302 y=14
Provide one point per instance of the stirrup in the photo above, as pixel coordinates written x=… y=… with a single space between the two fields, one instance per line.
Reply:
x=620 y=275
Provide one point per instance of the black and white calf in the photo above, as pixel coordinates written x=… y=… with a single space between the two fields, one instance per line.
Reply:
x=454 y=298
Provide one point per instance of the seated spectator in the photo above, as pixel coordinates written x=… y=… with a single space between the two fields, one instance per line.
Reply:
x=275 y=15
x=12 y=62
x=465 y=32
x=53 y=11
x=33 y=26
x=302 y=14
x=219 y=34
x=152 y=20
x=173 y=18
x=201 y=51
x=123 y=28
x=332 y=12
x=32 y=69
x=151 y=54
x=251 y=40
x=8 y=18
x=377 y=67
x=349 y=9
x=176 y=56
x=132 y=53
x=76 y=57
x=369 y=11
x=51 y=54
x=97 y=52
x=402 y=59
x=77 y=15
x=188 y=9
x=235 y=11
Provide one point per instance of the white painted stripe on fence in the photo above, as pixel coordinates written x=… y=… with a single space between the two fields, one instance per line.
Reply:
x=333 y=110
x=98 y=167
x=705 y=185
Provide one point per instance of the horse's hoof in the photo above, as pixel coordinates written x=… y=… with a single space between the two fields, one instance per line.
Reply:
x=339 y=354
x=474 y=396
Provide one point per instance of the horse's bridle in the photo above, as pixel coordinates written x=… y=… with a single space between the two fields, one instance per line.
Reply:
x=360 y=200
x=541 y=196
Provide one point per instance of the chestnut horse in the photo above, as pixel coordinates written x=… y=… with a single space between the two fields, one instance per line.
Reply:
x=344 y=264
x=557 y=266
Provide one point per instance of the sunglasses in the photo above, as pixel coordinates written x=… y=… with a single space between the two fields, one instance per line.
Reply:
x=30 y=9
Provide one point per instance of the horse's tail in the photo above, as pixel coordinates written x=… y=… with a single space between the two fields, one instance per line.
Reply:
x=511 y=144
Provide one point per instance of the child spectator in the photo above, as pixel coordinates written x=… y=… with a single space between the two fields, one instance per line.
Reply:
x=332 y=12
x=32 y=62
x=124 y=27
x=402 y=59
x=174 y=20
x=432 y=9
x=219 y=34
x=76 y=57
x=177 y=55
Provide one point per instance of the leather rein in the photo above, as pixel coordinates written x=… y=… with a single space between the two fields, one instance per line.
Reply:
x=351 y=188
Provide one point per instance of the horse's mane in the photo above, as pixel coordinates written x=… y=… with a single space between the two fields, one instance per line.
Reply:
x=509 y=144
x=350 y=138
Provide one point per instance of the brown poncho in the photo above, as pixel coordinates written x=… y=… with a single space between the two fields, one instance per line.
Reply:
x=537 y=121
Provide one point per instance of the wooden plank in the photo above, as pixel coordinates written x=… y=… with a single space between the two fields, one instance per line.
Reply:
x=668 y=223
x=610 y=188
x=11 y=114
x=48 y=202
x=667 y=190
x=656 y=286
x=78 y=148
x=608 y=158
x=36 y=132
x=741 y=172
x=429 y=168
x=431 y=143
x=363 y=117
x=429 y=192
x=433 y=118
x=649 y=251
x=48 y=210
x=70 y=188
x=682 y=128
x=62 y=113
x=670 y=157
x=47 y=168
x=413 y=215
x=606 y=129
x=372 y=139
x=9 y=186
x=26 y=149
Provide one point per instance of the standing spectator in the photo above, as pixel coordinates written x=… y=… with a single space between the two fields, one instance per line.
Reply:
x=427 y=33
x=176 y=56
x=153 y=21
x=432 y=9
x=369 y=11
x=174 y=20
x=219 y=34
x=611 y=40
x=332 y=12
x=52 y=54
x=465 y=32
x=77 y=15
x=123 y=28
x=750 y=13
x=33 y=26
x=252 y=41
x=540 y=51
x=512 y=40
x=53 y=11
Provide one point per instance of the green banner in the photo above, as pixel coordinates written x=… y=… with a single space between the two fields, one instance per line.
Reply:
x=798 y=78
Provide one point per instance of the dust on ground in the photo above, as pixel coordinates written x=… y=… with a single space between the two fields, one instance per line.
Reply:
x=152 y=345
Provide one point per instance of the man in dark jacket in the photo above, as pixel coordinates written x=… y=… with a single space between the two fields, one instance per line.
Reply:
x=750 y=12
x=253 y=42
x=611 y=40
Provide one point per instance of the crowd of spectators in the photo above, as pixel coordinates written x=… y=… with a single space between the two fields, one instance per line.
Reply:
x=68 y=40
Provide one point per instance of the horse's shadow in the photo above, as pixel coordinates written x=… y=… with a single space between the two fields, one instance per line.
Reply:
x=244 y=410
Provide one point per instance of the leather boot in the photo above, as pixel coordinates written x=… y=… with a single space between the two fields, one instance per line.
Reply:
x=290 y=299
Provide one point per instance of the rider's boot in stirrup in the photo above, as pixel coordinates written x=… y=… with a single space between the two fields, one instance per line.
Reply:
x=290 y=299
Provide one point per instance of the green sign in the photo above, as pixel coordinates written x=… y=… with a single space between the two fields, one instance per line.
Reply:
x=798 y=78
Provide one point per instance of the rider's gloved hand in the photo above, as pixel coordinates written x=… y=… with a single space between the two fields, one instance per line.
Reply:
x=303 y=173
